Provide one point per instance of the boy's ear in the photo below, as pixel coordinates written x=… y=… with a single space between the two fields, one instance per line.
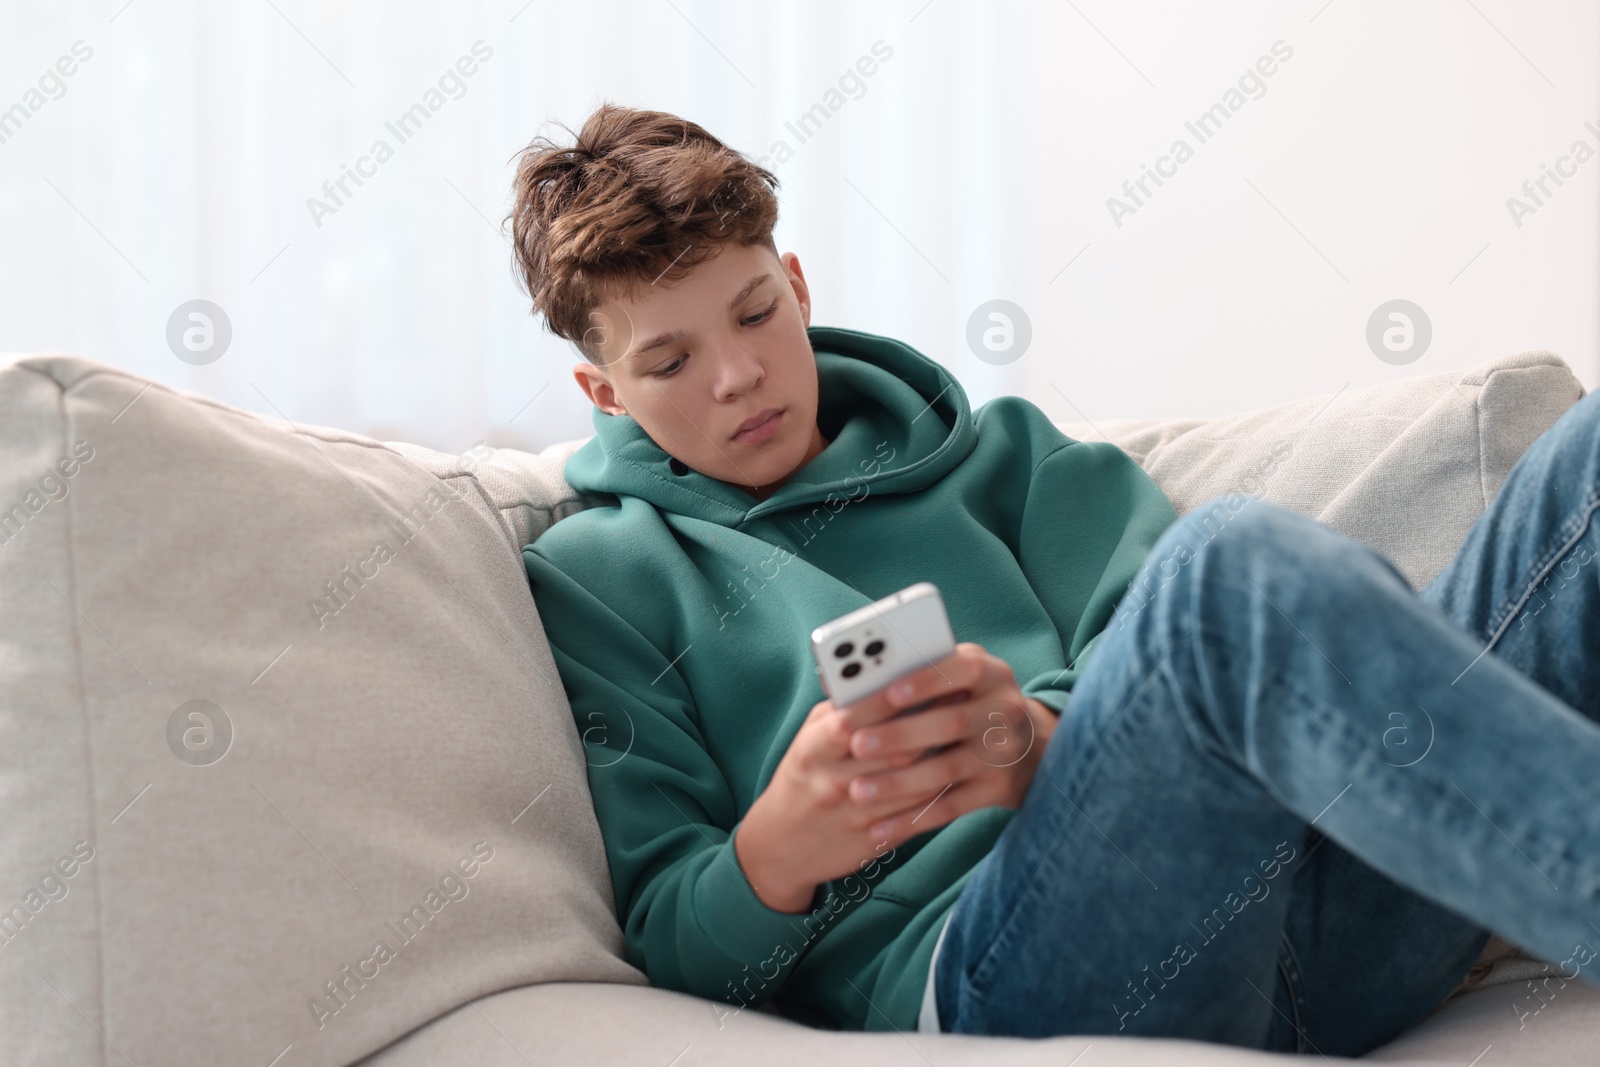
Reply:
x=797 y=281
x=592 y=380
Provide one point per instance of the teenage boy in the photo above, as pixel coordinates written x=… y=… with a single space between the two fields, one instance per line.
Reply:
x=1104 y=824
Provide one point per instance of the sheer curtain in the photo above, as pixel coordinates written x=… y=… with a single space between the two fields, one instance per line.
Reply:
x=230 y=153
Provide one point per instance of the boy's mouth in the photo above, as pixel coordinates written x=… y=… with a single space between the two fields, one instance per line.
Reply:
x=759 y=427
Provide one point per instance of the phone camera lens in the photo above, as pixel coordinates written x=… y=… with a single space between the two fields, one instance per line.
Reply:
x=851 y=670
x=873 y=648
x=842 y=650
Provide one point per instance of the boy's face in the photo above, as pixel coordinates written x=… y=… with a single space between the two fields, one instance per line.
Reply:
x=731 y=352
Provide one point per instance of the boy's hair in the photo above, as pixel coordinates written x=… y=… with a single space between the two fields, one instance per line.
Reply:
x=640 y=195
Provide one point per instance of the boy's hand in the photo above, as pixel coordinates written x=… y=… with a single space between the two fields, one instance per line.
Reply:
x=816 y=821
x=804 y=829
x=990 y=739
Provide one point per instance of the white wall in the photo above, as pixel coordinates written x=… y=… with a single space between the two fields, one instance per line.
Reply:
x=974 y=164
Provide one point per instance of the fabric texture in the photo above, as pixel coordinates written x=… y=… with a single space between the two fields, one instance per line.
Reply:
x=687 y=659
x=579 y=1023
x=1403 y=465
x=263 y=745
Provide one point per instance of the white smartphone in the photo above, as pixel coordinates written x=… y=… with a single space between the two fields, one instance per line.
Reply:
x=860 y=653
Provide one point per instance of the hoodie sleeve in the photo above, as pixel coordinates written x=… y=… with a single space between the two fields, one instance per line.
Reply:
x=667 y=814
x=1090 y=518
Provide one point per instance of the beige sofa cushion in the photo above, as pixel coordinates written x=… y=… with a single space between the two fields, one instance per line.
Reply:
x=401 y=751
x=1405 y=466
x=589 y=1024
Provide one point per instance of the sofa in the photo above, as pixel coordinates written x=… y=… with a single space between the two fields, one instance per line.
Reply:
x=288 y=777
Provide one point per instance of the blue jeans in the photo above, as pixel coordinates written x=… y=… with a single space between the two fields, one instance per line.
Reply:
x=1290 y=797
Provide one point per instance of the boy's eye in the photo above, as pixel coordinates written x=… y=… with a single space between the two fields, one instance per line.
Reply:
x=754 y=319
x=669 y=369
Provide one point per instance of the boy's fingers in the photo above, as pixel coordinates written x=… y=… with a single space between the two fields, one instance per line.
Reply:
x=824 y=737
x=854 y=768
x=913 y=733
x=879 y=707
x=945 y=807
x=876 y=709
x=922 y=777
x=881 y=810
x=868 y=711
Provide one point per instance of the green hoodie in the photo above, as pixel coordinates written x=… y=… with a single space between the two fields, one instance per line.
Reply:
x=680 y=613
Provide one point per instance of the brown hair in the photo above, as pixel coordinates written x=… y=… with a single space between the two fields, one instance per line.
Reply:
x=639 y=195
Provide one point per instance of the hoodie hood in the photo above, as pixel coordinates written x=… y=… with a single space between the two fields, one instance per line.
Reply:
x=876 y=397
